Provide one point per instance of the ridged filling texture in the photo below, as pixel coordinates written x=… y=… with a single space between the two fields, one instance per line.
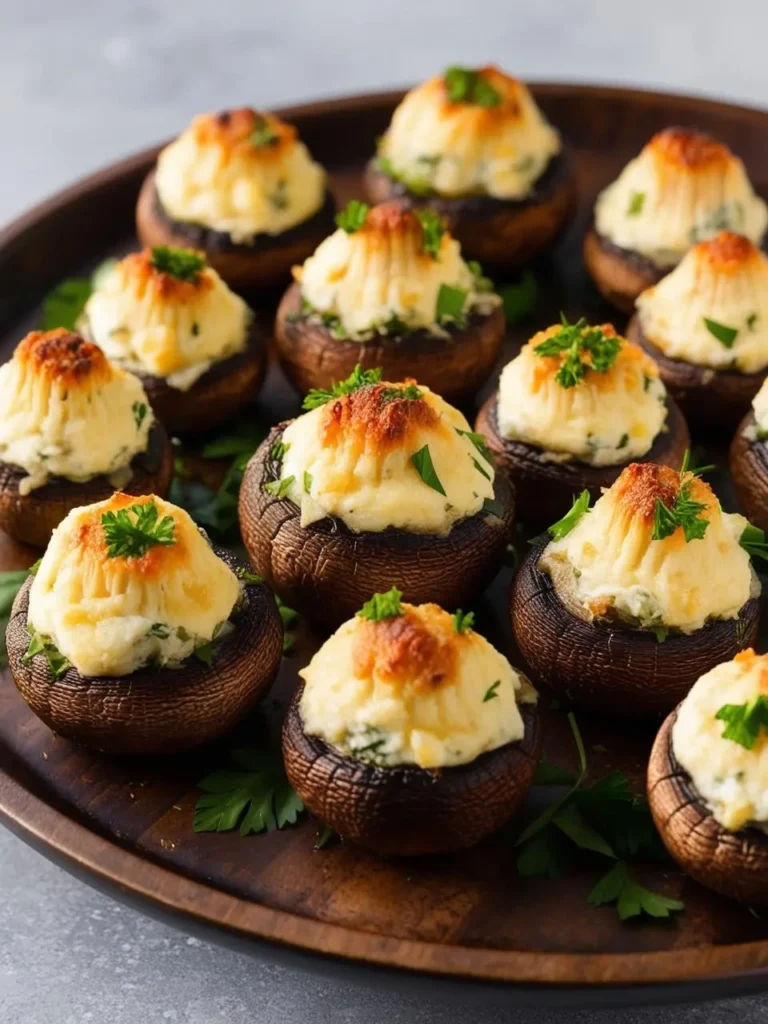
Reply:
x=380 y=279
x=607 y=418
x=68 y=412
x=712 y=310
x=464 y=148
x=760 y=409
x=731 y=779
x=112 y=615
x=682 y=188
x=153 y=322
x=353 y=459
x=609 y=567
x=241 y=173
x=412 y=690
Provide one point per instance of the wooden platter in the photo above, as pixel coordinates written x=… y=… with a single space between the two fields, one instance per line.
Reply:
x=449 y=923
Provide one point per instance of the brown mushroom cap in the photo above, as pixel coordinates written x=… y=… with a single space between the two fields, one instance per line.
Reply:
x=31 y=518
x=708 y=397
x=620 y=274
x=263 y=263
x=749 y=470
x=614 y=669
x=405 y=810
x=156 y=710
x=500 y=233
x=735 y=864
x=544 y=488
x=329 y=572
x=454 y=367
x=221 y=392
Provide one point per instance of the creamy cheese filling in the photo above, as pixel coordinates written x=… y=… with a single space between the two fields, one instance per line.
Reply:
x=604 y=419
x=240 y=173
x=110 y=616
x=68 y=412
x=376 y=460
x=712 y=310
x=760 y=409
x=380 y=278
x=434 y=145
x=152 y=321
x=732 y=780
x=610 y=567
x=682 y=188
x=411 y=690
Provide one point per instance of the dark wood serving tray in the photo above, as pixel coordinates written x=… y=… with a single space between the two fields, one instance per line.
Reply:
x=450 y=922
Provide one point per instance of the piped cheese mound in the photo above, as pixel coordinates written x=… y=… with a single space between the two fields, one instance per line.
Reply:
x=152 y=321
x=357 y=457
x=610 y=567
x=760 y=408
x=682 y=188
x=111 y=615
x=68 y=412
x=606 y=418
x=712 y=310
x=381 y=275
x=241 y=173
x=732 y=780
x=466 y=147
x=411 y=690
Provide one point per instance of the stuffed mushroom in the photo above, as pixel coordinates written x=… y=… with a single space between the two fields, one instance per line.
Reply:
x=377 y=482
x=621 y=607
x=390 y=288
x=74 y=427
x=411 y=734
x=241 y=186
x=473 y=146
x=683 y=187
x=749 y=460
x=572 y=410
x=134 y=636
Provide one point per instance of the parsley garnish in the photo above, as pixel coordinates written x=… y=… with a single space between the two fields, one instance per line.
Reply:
x=307 y=481
x=636 y=204
x=482 y=283
x=725 y=335
x=751 y=321
x=183 y=264
x=324 y=838
x=481 y=470
x=39 y=644
x=422 y=460
x=382 y=606
x=160 y=630
x=684 y=512
x=465 y=85
x=631 y=899
x=279 y=488
x=129 y=538
x=753 y=541
x=278 y=450
x=480 y=443
x=359 y=378
x=258 y=797
x=744 y=721
x=248 y=575
x=494 y=507
x=10 y=583
x=63 y=306
x=576 y=341
x=353 y=216
x=411 y=393
x=462 y=621
x=519 y=299
x=263 y=134
x=139 y=410
x=491 y=692
x=450 y=304
x=564 y=526
x=432 y=231
x=243 y=441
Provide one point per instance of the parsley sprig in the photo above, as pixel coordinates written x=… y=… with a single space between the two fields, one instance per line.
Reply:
x=131 y=538
x=564 y=526
x=382 y=606
x=257 y=796
x=353 y=216
x=463 y=621
x=39 y=644
x=577 y=341
x=433 y=229
x=183 y=264
x=359 y=378
x=753 y=541
x=744 y=721
x=685 y=512
x=465 y=85
x=263 y=134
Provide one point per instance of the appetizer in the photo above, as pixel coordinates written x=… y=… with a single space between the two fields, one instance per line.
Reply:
x=706 y=779
x=749 y=460
x=242 y=187
x=390 y=288
x=74 y=427
x=572 y=409
x=684 y=187
x=134 y=636
x=473 y=146
x=376 y=482
x=706 y=325
x=410 y=733
x=167 y=316
x=623 y=606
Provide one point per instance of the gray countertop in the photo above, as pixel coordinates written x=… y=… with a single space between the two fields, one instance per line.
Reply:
x=84 y=83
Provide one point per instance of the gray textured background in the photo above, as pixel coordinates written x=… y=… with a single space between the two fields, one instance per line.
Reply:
x=85 y=82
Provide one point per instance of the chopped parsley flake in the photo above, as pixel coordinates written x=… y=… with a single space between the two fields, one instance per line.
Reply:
x=422 y=461
x=744 y=721
x=465 y=85
x=132 y=538
x=450 y=305
x=183 y=264
x=433 y=229
x=491 y=692
x=564 y=526
x=463 y=621
x=359 y=378
x=725 y=335
x=139 y=410
x=636 y=204
x=353 y=216
x=576 y=341
x=382 y=606
x=279 y=488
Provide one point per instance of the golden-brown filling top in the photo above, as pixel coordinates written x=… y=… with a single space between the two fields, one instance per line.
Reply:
x=65 y=357
x=245 y=133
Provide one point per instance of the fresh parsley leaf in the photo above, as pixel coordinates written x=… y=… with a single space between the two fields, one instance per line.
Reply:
x=139 y=410
x=353 y=216
x=132 y=538
x=307 y=481
x=661 y=633
x=636 y=204
x=549 y=774
x=685 y=511
x=725 y=335
x=751 y=321
x=258 y=797
x=278 y=450
x=11 y=582
x=519 y=299
x=492 y=691
x=160 y=630
x=243 y=439
x=288 y=615
x=359 y=378
x=743 y=721
x=63 y=306
x=482 y=284
x=422 y=461
x=450 y=304
x=575 y=342
x=564 y=526
x=575 y=826
x=623 y=441
x=556 y=806
x=39 y=644
x=481 y=444
x=631 y=899
x=183 y=264
x=463 y=621
x=382 y=606
x=621 y=816
x=411 y=393
x=279 y=488
x=753 y=541
x=432 y=231
x=263 y=134
x=204 y=652
x=465 y=85
x=248 y=576
x=544 y=856
x=481 y=470
x=494 y=507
